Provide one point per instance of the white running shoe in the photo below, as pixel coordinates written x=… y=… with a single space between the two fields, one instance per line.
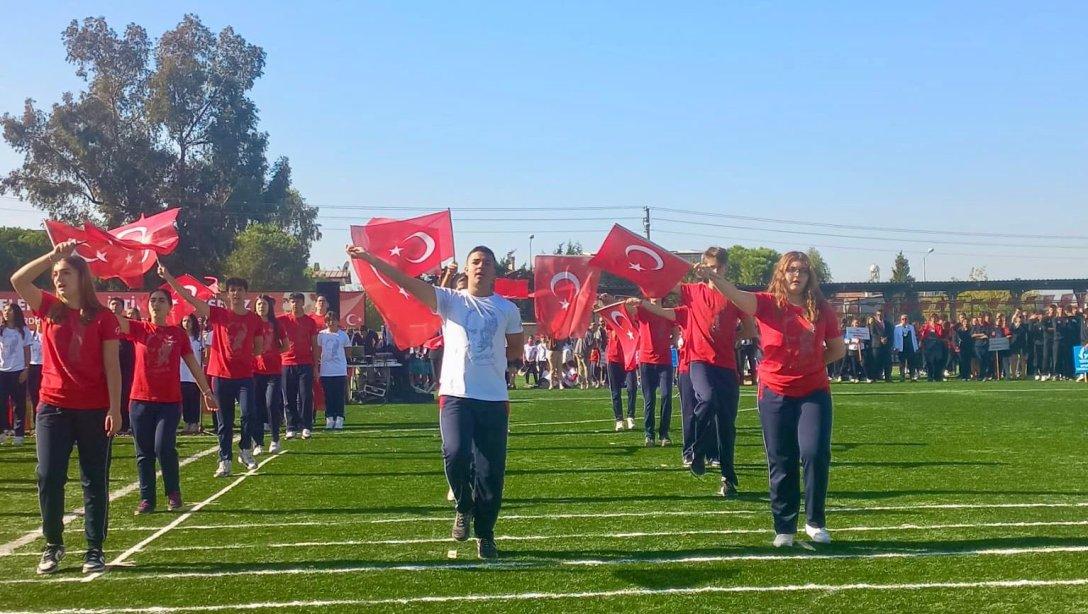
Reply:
x=339 y=423
x=449 y=495
x=274 y=447
x=330 y=423
x=246 y=458
x=3 y=438
x=290 y=434
x=619 y=425
x=783 y=540
x=630 y=423
x=257 y=451
x=224 y=469
x=306 y=434
x=17 y=441
x=818 y=534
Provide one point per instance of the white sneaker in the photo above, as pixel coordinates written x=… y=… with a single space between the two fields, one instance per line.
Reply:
x=449 y=495
x=290 y=434
x=17 y=441
x=619 y=425
x=818 y=534
x=339 y=423
x=783 y=540
x=274 y=447
x=630 y=423
x=3 y=437
x=246 y=458
x=306 y=433
x=1037 y=378
x=257 y=451
x=330 y=423
x=223 y=470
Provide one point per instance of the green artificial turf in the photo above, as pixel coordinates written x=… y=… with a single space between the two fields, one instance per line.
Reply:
x=350 y=518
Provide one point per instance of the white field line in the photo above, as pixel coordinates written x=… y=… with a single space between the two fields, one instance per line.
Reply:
x=626 y=535
x=545 y=563
x=182 y=518
x=505 y=517
x=31 y=536
x=611 y=594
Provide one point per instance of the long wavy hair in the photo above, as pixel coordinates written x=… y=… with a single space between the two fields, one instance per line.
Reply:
x=18 y=320
x=812 y=298
x=270 y=303
x=88 y=300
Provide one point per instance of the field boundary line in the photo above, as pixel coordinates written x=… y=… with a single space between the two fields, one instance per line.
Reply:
x=182 y=518
x=9 y=548
x=558 y=563
x=661 y=513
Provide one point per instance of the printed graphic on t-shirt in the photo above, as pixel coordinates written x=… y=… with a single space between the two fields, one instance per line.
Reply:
x=481 y=328
x=75 y=342
x=160 y=348
x=237 y=332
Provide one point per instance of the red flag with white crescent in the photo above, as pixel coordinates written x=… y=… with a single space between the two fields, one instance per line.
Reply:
x=410 y=321
x=619 y=323
x=566 y=288
x=181 y=307
x=126 y=252
x=416 y=246
x=654 y=269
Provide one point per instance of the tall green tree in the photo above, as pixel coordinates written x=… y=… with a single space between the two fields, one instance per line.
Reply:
x=901 y=269
x=17 y=247
x=751 y=266
x=818 y=264
x=160 y=123
x=268 y=258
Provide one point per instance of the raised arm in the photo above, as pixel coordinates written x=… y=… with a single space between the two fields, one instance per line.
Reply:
x=745 y=301
x=201 y=307
x=416 y=287
x=23 y=279
x=661 y=312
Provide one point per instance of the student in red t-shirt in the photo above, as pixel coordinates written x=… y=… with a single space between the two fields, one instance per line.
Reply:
x=156 y=397
x=267 y=374
x=711 y=321
x=321 y=307
x=235 y=342
x=622 y=373
x=302 y=353
x=655 y=367
x=801 y=336
x=80 y=398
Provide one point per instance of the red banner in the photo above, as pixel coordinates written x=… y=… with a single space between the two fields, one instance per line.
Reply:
x=115 y=254
x=654 y=269
x=566 y=289
x=512 y=288
x=417 y=246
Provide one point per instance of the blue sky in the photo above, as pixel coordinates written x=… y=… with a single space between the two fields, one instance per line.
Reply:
x=964 y=117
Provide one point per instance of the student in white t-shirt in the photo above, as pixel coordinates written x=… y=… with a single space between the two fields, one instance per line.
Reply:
x=190 y=392
x=482 y=331
x=15 y=341
x=34 y=371
x=334 y=344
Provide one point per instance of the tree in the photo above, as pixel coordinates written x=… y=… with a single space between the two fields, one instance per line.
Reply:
x=751 y=266
x=819 y=266
x=160 y=124
x=268 y=258
x=570 y=248
x=18 y=246
x=901 y=269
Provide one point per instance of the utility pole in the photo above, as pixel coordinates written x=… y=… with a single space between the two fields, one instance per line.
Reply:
x=646 y=221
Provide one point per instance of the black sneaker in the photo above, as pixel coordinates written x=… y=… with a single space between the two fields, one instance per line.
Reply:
x=51 y=558
x=728 y=489
x=460 y=527
x=94 y=561
x=698 y=465
x=486 y=548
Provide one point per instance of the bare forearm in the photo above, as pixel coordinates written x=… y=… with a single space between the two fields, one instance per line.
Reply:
x=657 y=310
x=745 y=301
x=23 y=279
x=416 y=287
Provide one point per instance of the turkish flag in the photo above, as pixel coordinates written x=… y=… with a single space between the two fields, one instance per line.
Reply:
x=181 y=307
x=416 y=246
x=654 y=269
x=619 y=323
x=512 y=288
x=126 y=252
x=410 y=321
x=566 y=288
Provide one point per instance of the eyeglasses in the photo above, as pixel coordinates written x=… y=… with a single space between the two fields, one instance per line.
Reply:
x=797 y=271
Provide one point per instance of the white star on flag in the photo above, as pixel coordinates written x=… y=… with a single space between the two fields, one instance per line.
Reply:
x=635 y=266
x=630 y=335
x=564 y=304
x=100 y=255
x=403 y=292
x=395 y=251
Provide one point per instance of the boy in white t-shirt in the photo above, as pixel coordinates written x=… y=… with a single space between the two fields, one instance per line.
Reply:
x=482 y=331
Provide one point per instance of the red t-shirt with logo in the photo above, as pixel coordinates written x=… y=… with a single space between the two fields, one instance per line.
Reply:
x=159 y=351
x=654 y=338
x=232 y=343
x=269 y=362
x=300 y=332
x=73 y=374
x=793 y=348
x=712 y=326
